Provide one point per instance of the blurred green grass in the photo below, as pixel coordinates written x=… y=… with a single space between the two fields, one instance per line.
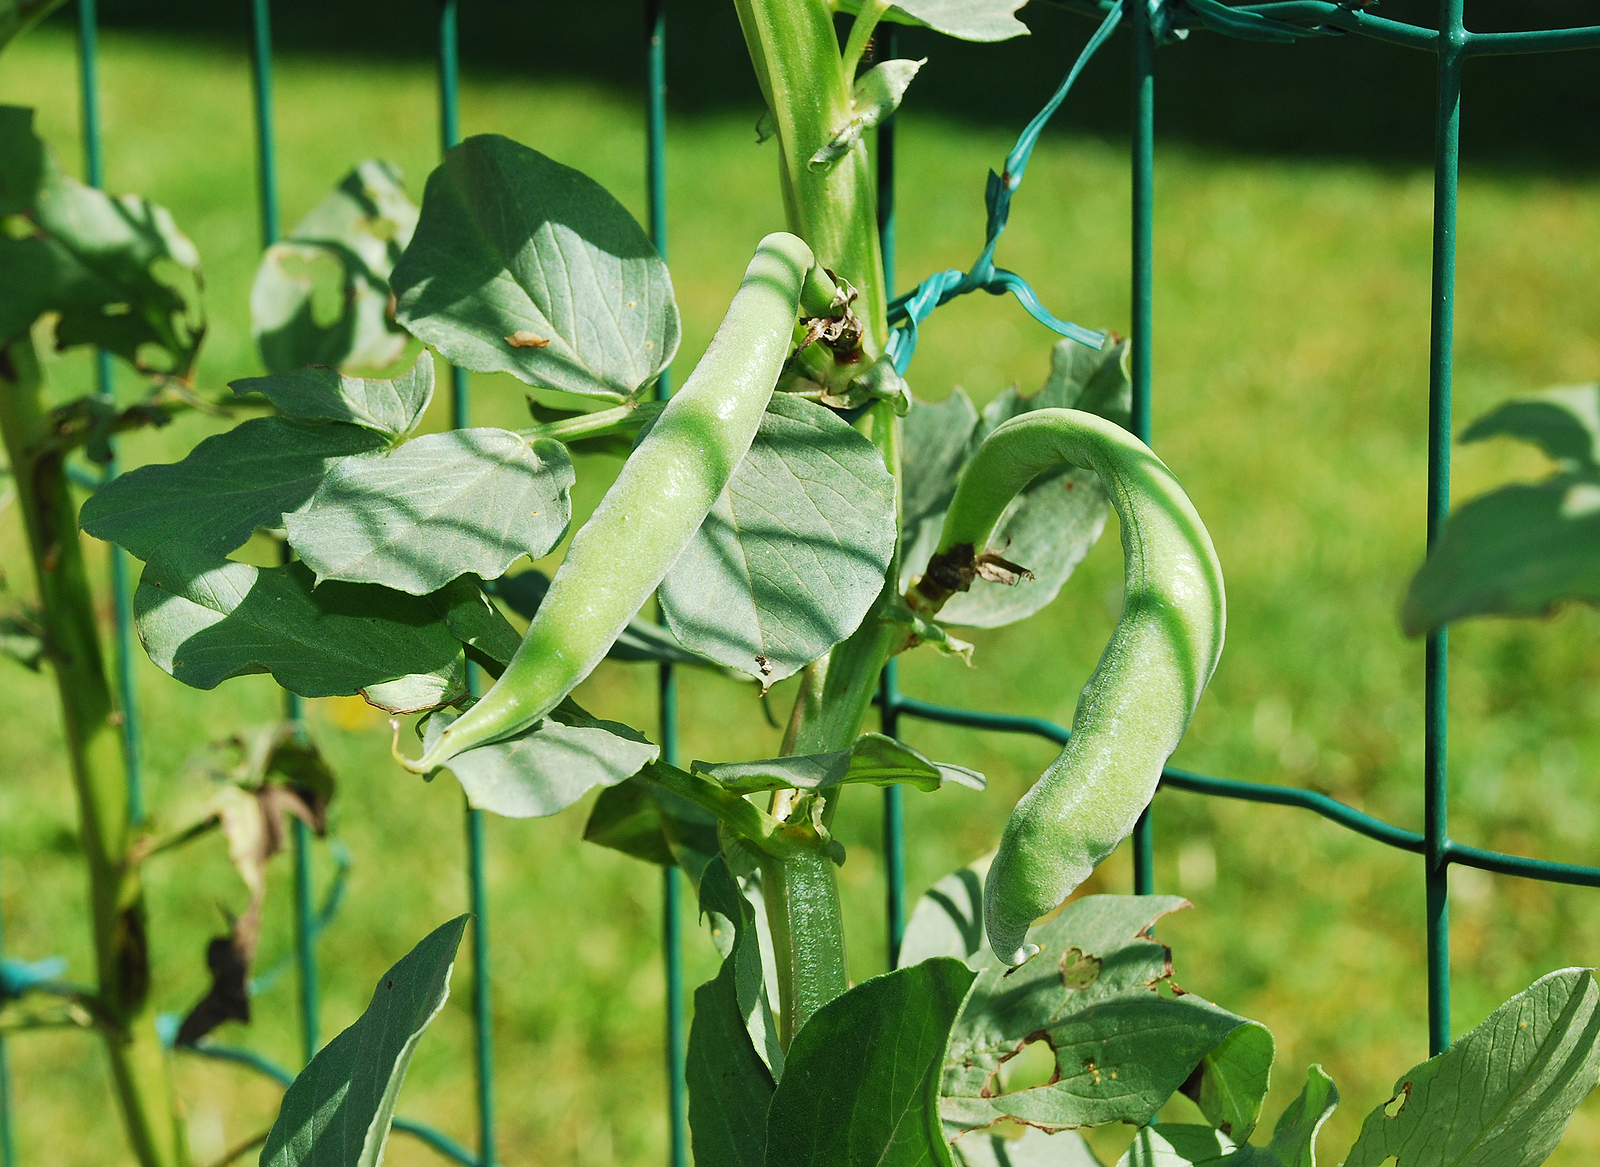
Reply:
x=1291 y=398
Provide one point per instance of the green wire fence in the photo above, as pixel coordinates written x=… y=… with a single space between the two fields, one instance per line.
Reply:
x=1150 y=23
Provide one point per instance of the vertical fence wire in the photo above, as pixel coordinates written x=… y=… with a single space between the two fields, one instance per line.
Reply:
x=1441 y=339
x=894 y=830
x=477 y=891
x=1142 y=295
x=8 y=1138
x=655 y=23
x=293 y=707
x=105 y=386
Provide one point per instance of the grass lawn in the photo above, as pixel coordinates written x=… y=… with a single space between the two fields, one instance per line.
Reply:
x=1290 y=398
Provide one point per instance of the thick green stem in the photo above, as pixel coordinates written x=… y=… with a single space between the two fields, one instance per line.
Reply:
x=833 y=208
x=802 y=898
x=90 y=725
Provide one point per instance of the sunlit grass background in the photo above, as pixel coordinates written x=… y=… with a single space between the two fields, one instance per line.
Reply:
x=1291 y=399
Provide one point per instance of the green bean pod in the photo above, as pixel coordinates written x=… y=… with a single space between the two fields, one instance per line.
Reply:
x=1137 y=704
x=647 y=517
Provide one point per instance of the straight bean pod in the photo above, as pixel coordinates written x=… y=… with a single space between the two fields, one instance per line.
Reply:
x=665 y=489
x=1135 y=708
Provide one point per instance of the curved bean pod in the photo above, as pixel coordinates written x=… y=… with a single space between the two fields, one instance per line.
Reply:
x=1137 y=704
x=665 y=489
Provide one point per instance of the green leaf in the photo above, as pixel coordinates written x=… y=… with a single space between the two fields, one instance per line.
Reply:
x=543 y=770
x=340 y=1107
x=118 y=270
x=204 y=619
x=321 y=295
x=22 y=640
x=948 y=920
x=1232 y=1081
x=1051 y=525
x=227 y=487
x=935 y=441
x=794 y=550
x=524 y=266
x=639 y=641
x=393 y=407
x=872 y=758
x=1501 y=1094
x=1517 y=551
x=967 y=20
x=733 y=1056
x=1122 y=1049
x=640 y=819
x=1034 y=1149
x=416 y=517
x=861 y=1083
x=1564 y=423
x=1293 y=1139
x=475 y=621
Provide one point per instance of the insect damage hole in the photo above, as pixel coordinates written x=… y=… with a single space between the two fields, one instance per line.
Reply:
x=1032 y=1064
x=1393 y=1107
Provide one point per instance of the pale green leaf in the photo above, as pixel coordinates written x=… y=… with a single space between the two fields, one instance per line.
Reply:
x=935 y=441
x=545 y=769
x=227 y=487
x=1050 y=526
x=872 y=758
x=391 y=407
x=340 y=1107
x=441 y=505
x=861 y=1081
x=794 y=551
x=967 y=20
x=1293 y=1139
x=524 y=266
x=1233 y=1081
x=1501 y=1095
x=948 y=920
x=203 y=619
x=1121 y=1048
x=875 y=96
x=117 y=270
x=321 y=294
x=1034 y=1149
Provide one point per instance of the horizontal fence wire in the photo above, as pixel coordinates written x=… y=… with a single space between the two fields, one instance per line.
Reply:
x=1149 y=25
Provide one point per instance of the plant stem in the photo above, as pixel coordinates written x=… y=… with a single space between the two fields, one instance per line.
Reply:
x=796 y=57
x=99 y=769
x=601 y=421
x=861 y=32
x=802 y=898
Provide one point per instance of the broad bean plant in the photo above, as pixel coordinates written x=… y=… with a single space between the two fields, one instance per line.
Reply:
x=795 y=511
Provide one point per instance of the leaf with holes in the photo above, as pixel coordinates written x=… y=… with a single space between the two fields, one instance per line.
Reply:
x=228 y=486
x=734 y=1057
x=522 y=265
x=872 y=758
x=545 y=769
x=118 y=270
x=793 y=553
x=1122 y=1048
x=204 y=618
x=1501 y=1094
x=321 y=294
x=391 y=407
x=967 y=20
x=1051 y=525
x=340 y=1107
x=861 y=1082
x=437 y=507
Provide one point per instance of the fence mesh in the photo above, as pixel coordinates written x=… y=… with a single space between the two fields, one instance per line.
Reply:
x=1148 y=24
